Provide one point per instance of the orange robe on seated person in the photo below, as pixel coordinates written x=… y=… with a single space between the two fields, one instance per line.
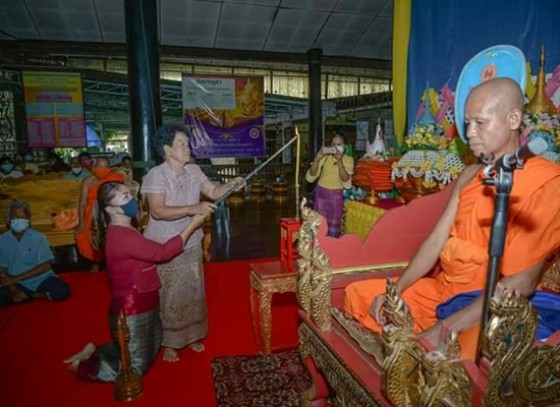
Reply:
x=84 y=239
x=533 y=232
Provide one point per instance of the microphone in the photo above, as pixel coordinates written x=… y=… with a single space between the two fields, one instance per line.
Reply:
x=508 y=162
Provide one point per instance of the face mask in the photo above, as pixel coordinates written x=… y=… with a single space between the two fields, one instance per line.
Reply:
x=29 y=158
x=340 y=149
x=7 y=168
x=101 y=172
x=19 y=225
x=130 y=208
x=76 y=170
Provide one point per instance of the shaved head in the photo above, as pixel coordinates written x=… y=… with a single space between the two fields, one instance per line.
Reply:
x=501 y=93
x=493 y=116
x=102 y=162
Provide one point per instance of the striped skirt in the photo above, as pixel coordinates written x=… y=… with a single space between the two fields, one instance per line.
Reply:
x=144 y=325
x=329 y=203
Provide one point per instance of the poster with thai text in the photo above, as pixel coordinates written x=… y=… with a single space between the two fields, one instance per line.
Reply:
x=54 y=109
x=225 y=115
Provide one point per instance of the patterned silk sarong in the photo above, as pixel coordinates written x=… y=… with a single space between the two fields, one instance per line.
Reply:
x=145 y=339
x=183 y=299
x=329 y=203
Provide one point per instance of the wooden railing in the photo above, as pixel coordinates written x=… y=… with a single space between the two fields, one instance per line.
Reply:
x=268 y=175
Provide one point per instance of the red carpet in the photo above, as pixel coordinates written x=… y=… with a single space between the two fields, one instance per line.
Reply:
x=36 y=337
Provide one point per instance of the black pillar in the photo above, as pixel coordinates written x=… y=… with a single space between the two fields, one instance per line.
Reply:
x=315 y=106
x=143 y=79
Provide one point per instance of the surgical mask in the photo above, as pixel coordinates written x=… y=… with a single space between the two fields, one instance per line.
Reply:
x=29 y=158
x=101 y=172
x=7 y=168
x=130 y=208
x=19 y=225
x=76 y=170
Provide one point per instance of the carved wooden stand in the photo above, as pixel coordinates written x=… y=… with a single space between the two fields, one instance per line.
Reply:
x=128 y=384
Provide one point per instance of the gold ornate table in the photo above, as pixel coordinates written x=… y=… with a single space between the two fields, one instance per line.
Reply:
x=268 y=278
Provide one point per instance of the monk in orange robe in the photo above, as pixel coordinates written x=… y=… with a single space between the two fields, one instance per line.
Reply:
x=460 y=239
x=84 y=237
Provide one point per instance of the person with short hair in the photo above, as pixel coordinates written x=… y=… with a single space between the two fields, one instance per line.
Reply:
x=173 y=191
x=26 y=163
x=459 y=241
x=86 y=160
x=77 y=172
x=126 y=169
x=26 y=261
x=8 y=169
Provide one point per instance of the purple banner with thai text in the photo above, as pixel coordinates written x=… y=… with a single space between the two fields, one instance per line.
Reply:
x=225 y=115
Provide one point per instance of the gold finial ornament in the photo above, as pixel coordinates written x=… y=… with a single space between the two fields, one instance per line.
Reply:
x=541 y=103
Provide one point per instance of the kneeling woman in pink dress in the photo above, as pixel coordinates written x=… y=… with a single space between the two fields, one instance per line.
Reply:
x=131 y=267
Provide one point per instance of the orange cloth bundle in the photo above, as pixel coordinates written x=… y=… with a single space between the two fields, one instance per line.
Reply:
x=66 y=219
x=373 y=173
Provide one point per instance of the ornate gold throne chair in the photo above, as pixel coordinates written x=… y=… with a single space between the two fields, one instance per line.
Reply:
x=351 y=366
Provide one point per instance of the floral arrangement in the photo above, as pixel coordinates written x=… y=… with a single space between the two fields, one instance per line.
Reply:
x=542 y=125
x=430 y=160
x=432 y=169
x=426 y=136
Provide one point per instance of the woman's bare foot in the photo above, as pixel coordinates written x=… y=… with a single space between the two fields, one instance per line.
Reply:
x=74 y=360
x=198 y=347
x=170 y=355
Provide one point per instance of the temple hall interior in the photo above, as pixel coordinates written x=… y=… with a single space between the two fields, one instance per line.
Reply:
x=276 y=203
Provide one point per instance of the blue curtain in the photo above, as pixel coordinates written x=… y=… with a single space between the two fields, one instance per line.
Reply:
x=444 y=35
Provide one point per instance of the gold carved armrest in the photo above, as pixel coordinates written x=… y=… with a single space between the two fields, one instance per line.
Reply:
x=314 y=271
x=551 y=275
x=413 y=375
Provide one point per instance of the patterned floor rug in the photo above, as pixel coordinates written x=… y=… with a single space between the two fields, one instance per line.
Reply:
x=259 y=381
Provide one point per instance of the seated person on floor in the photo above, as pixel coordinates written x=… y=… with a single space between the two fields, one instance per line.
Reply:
x=86 y=160
x=8 y=169
x=25 y=261
x=126 y=169
x=493 y=113
x=77 y=172
x=56 y=163
x=26 y=163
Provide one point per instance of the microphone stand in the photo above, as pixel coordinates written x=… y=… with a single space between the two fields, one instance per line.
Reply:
x=503 y=182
